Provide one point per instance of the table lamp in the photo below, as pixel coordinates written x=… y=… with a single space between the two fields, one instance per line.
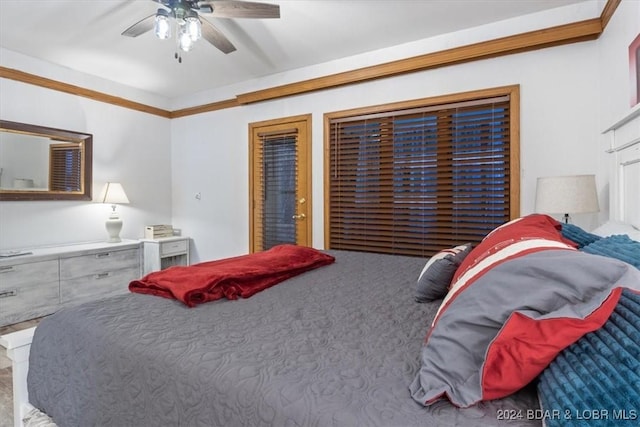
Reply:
x=567 y=195
x=113 y=193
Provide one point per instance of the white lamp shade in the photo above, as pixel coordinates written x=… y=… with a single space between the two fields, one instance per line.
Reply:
x=567 y=194
x=113 y=193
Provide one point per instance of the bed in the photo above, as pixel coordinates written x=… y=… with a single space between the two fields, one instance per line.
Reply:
x=336 y=345
x=318 y=349
x=343 y=344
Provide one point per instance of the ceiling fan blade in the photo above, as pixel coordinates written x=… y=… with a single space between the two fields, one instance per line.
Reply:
x=215 y=37
x=140 y=27
x=240 y=9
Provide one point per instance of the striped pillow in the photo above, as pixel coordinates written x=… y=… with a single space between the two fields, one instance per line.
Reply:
x=435 y=278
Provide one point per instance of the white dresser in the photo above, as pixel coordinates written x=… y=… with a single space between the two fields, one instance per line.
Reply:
x=49 y=278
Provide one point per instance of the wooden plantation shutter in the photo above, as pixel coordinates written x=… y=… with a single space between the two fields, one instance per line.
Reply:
x=418 y=180
x=277 y=162
x=65 y=167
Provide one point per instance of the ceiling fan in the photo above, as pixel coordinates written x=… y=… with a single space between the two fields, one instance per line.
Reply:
x=190 y=26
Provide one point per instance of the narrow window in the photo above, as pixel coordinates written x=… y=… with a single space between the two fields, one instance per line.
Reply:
x=65 y=170
x=278 y=196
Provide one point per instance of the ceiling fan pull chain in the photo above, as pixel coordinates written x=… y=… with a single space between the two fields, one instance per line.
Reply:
x=178 y=56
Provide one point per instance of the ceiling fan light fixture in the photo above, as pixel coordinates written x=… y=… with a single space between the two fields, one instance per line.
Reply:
x=185 y=42
x=162 y=26
x=193 y=26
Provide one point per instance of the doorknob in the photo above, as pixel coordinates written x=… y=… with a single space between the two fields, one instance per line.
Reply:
x=301 y=216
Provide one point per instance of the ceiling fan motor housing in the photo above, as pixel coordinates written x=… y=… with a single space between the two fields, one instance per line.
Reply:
x=179 y=8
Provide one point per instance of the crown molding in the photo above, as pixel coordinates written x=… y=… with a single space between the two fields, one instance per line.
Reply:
x=21 y=76
x=219 y=105
x=533 y=40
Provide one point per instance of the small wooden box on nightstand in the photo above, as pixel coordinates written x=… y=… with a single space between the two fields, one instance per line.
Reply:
x=165 y=252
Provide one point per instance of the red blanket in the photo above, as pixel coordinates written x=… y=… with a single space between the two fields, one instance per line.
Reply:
x=231 y=277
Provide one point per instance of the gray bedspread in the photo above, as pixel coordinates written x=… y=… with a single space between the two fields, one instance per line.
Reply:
x=337 y=346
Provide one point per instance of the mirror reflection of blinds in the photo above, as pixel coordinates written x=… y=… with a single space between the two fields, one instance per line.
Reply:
x=416 y=181
x=277 y=160
x=65 y=169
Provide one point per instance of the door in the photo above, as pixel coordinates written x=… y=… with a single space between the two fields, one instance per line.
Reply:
x=280 y=182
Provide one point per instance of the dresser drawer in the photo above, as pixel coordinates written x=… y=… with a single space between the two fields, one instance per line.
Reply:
x=97 y=285
x=28 y=299
x=172 y=248
x=99 y=263
x=25 y=274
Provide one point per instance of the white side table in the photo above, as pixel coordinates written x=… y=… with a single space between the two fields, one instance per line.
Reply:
x=159 y=254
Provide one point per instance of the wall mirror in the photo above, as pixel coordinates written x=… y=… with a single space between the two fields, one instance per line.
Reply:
x=42 y=163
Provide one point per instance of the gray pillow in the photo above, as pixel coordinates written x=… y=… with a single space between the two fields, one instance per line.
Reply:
x=436 y=276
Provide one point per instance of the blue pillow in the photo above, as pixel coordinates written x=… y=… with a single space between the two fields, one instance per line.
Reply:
x=598 y=373
x=578 y=235
x=619 y=246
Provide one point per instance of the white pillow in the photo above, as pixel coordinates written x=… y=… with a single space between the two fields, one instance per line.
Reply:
x=612 y=227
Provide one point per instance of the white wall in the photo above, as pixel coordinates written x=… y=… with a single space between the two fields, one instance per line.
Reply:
x=129 y=147
x=560 y=130
x=210 y=157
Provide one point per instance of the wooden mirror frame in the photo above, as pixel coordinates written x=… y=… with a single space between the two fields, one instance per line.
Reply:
x=58 y=135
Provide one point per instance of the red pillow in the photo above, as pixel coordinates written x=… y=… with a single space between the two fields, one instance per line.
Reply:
x=534 y=226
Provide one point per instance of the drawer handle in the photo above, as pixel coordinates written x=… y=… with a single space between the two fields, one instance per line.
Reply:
x=102 y=275
x=6 y=269
x=7 y=294
x=103 y=255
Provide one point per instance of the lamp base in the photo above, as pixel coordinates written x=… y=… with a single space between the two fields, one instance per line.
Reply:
x=113 y=226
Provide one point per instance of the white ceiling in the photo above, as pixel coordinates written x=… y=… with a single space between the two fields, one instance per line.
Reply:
x=85 y=35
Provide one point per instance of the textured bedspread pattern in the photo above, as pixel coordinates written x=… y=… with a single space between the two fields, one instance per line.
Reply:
x=235 y=277
x=595 y=382
x=520 y=297
x=336 y=346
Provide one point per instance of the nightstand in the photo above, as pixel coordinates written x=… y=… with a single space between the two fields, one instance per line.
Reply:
x=159 y=254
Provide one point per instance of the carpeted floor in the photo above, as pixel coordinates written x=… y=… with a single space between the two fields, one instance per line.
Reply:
x=6 y=384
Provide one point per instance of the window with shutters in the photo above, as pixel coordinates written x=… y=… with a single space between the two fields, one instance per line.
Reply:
x=277 y=165
x=416 y=177
x=65 y=169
